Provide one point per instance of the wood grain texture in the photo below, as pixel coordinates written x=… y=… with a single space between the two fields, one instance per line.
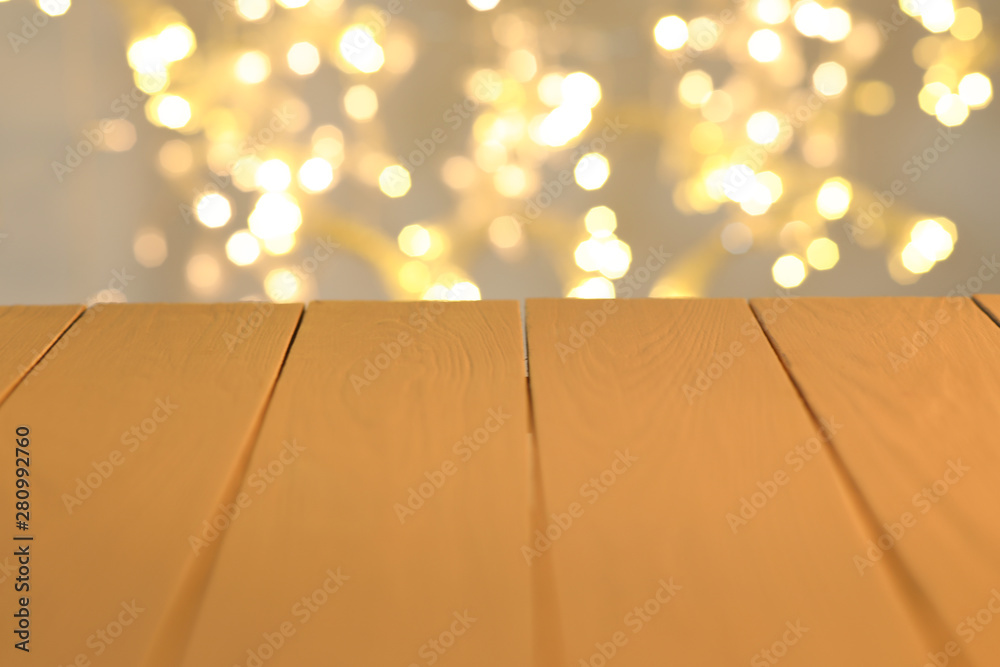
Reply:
x=383 y=407
x=26 y=334
x=140 y=426
x=655 y=437
x=916 y=382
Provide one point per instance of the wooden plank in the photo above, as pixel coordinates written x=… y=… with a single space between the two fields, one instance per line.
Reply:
x=26 y=334
x=391 y=516
x=990 y=303
x=139 y=428
x=916 y=382
x=675 y=452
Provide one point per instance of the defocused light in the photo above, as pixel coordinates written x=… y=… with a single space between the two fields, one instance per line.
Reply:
x=282 y=286
x=736 y=238
x=932 y=240
x=275 y=214
x=764 y=46
x=510 y=180
x=615 y=258
x=830 y=79
x=592 y=171
x=823 y=254
x=914 y=260
x=703 y=33
x=169 y=111
x=360 y=50
x=695 y=88
x=414 y=276
x=293 y=4
x=119 y=135
x=461 y=290
x=414 y=240
x=175 y=42
x=273 y=176
x=505 y=232
x=834 y=198
x=593 y=288
x=671 y=32
x=968 y=24
x=580 y=89
x=550 y=89
x=600 y=221
x=483 y=5
x=930 y=95
x=253 y=67
x=316 y=175
x=937 y=15
x=788 y=271
x=203 y=273
x=54 y=7
x=562 y=124
x=253 y=10
x=976 y=90
x=773 y=11
x=809 y=19
x=242 y=248
x=213 y=209
x=951 y=110
x=763 y=127
x=279 y=245
x=303 y=58
x=836 y=25
x=150 y=247
x=394 y=181
x=874 y=98
x=360 y=102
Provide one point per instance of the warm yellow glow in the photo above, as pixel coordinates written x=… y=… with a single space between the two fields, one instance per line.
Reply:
x=394 y=181
x=937 y=15
x=169 y=111
x=452 y=290
x=175 y=42
x=316 y=175
x=615 y=258
x=483 y=5
x=951 y=110
x=150 y=247
x=773 y=183
x=283 y=286
x=671 y=32
x=458 y=172
x=976 y=90
x=874 y=98
x=823 y=254
x=588 y=254
x=303 y=58
x=773 y=11
x=836 y=25
x=550 y=89
x=203 y=273
x=273 y=176
x=932 y=240
x=764 y=46
x=360 y=50
x=242 y=248
x=360 y=103
x=592 y=171
x=601 y=222
x=213 y=209
x=293 y=4
x=593 y=288
x=279 y=245
x=695 y=88
x=119 y=135
x=253 y=10
x=914 y=260
x=809 y=19
x=968 y=24
x=788 y=271
x=703 y=33
x=276 y=214
x=763 y=127
x=581 y=90
x=414 y=276
x=505 y=232
x=736 y=238
x=563 y=124
x=718 y=108
x=834 y=198
x=328 y=143
x=830 y=78
x=522 y=64
x=253 y=67
x=707 y=138
x=414 y=240
x=54 y=7
x=510 y=180
x=930 y=95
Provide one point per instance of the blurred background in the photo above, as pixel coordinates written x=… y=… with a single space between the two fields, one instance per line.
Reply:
x=214 y=150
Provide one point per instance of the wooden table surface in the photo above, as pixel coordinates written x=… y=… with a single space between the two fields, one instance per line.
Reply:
x=803 y=482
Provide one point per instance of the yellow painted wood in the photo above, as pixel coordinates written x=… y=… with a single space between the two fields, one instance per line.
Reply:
x=26 y=333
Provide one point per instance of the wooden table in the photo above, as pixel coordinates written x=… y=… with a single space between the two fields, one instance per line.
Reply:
x=630 y=483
